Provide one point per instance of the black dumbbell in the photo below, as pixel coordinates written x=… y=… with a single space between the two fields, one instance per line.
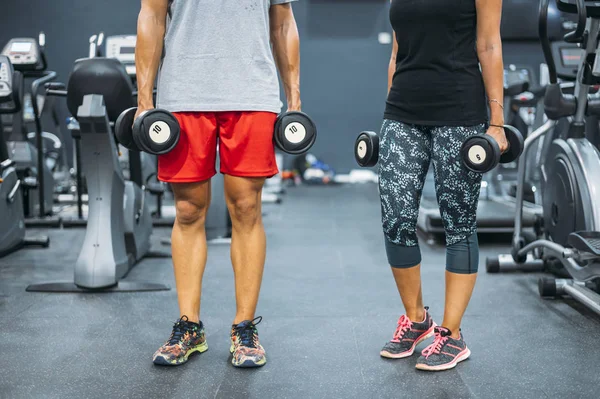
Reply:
x=481 y=153
x=295 y=133
x=366 y=149
x=156 y=131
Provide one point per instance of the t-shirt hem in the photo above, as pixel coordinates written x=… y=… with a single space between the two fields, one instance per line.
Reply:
x=465 y=122
x=219 y=108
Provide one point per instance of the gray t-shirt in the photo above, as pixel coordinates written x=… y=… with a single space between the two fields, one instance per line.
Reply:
x=217 y=57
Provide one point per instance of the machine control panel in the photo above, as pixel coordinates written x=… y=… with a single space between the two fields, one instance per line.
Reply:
x=515 y=74
x=24 y=54
x=567 y=58
x=7 y=100
x=6 y=76
x=122 y=48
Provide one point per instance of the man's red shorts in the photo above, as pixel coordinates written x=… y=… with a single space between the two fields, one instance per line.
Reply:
x=245 y=143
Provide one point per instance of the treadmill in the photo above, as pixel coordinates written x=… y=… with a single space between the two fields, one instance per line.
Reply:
x=495 y=212
x=496 y=209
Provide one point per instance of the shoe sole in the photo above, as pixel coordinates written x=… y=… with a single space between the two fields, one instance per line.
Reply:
x=161 y=361
x=464 y=355
x=410 y=352
x=248 y=363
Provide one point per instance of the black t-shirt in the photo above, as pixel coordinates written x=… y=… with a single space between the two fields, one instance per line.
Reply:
x=437 y=80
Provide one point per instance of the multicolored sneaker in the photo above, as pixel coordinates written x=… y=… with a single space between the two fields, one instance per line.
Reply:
x=445 y=352
x=407 y=336
x=187 y=337
x=245 y=347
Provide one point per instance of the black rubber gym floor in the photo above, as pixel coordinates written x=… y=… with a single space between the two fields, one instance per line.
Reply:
x=329 y=303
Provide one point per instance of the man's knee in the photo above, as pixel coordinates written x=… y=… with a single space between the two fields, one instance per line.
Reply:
x=245 y=209
x=190 y=213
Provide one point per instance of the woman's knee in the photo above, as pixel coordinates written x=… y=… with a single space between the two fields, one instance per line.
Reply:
x=400 y=234
x=462 y=257
x=401 y=256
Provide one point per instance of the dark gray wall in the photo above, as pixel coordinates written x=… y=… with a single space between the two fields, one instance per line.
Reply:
x=68 y=25
x=344 y=72
x=344 y=68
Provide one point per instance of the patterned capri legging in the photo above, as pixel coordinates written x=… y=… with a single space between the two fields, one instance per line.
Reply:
x=404 y=157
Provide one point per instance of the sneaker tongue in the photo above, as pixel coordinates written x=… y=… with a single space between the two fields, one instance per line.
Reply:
x=243 y=324
x=245 y=332
x=443 y=331
x=179 y=331
x=184 y=321
x=248 y=323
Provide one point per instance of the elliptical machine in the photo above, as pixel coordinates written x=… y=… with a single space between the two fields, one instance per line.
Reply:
x=525 y=111
x=12 y=218
x=119 y=222
x=570 y=172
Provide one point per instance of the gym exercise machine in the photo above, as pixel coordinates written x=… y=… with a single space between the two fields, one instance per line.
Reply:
x=39 y=150
x=27 y=57
x=570 y=173
x=530 y=115
x=12 y=218
x=119 y=223
x=525 y=111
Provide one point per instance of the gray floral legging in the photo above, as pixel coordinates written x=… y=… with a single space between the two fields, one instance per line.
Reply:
x=404 y=156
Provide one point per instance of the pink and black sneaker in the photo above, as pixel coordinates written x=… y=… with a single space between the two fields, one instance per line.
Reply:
x=407 y=336
x=444 y=353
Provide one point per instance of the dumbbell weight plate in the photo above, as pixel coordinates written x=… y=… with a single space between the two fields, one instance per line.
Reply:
x=124 y=130
x=156 y=132
x=515 y=144
x=480 y=153
x=366 y=149
x=295 y=133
